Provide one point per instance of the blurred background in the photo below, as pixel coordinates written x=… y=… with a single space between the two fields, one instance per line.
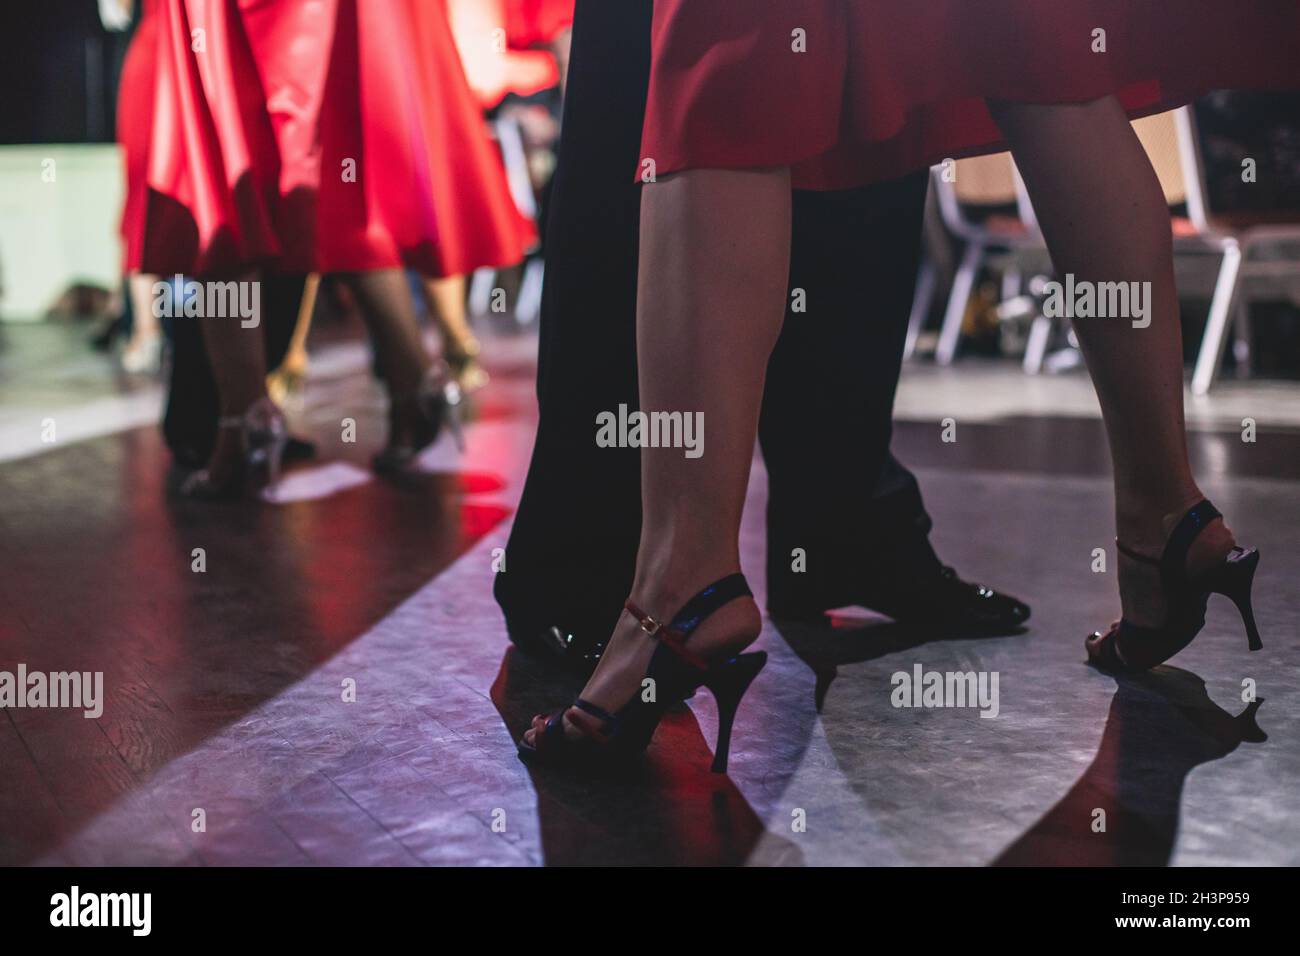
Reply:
x=350 y=576
x=1230 y=165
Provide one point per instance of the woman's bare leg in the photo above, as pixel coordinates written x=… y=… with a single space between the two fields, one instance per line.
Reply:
x=292 y=371
x=144 y=324
x=446 y=298
x=715 y=258
x=144 y=347
x=1105 y=219
x=447 y=308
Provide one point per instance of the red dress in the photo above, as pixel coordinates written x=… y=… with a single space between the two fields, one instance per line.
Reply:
x=495 y=38
x=852 y=91
x=309 y=135
x=134 y=121
x=529 y=22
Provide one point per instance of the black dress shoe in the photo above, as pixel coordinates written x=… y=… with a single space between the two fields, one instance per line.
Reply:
x=299 y=449
x=938 y=602
x=579 y=653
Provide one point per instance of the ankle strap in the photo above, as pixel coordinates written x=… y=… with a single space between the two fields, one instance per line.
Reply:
x=1180 y=539
x=692 y=614
x=1192 y=524
x=1135 y=555
x=720 y=592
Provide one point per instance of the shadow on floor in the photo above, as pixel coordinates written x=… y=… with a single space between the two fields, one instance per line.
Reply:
x=824 y=649
x=101 y=575
x=1161 y=726
x=665 y=810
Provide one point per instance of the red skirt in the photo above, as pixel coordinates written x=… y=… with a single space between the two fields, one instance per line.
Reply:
x=529 y=22
x=134 y=130
x=847 y=92
x=494 y=38
x=309 y=135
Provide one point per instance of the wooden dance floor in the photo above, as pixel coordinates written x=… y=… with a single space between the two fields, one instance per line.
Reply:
x=228 y=691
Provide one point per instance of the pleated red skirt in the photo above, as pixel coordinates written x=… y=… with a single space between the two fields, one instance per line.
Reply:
x=308 y=135
x=853 y=91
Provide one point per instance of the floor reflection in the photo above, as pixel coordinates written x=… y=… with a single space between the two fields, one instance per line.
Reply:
x=1161 y=726
x=667 y=809
x=827 y=648
x=196 y=612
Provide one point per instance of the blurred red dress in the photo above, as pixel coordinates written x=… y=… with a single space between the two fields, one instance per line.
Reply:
x=134 y=129
x=529 y=22
x=309 y=135
x=495 y=38
x=851 y=91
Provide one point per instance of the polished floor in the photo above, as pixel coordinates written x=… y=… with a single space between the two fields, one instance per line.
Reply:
x=225 y=689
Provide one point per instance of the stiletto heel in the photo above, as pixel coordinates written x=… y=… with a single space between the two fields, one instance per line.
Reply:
x=674 y=674
x=1234 y=581
x=264 y=449
x=728 y=683
x=1130 y=647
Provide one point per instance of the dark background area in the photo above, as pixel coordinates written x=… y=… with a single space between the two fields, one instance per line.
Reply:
x=58 y=72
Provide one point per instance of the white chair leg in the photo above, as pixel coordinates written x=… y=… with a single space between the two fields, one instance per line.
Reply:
x=1012 y=282
x=962 y=284
x=922 y=299
x=1040 y=334
x=1242 y=336
x=481 y=286
x=1216 y=326
x=529 y=306
x=515 y=158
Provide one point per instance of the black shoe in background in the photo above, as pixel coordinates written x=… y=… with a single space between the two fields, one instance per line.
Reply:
x=939 y=602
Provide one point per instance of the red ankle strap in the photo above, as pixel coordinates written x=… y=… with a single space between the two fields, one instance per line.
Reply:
x=674 y=640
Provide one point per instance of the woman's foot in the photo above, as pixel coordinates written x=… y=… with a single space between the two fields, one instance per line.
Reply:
x=143 y=354
x=288 y=380
x=416 y=419
x=619 y=676
x=1165 y=589
x=248 y=453
x=462 y=356
x=1142 y=595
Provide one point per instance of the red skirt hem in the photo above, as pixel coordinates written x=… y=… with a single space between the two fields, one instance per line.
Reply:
x=847 y=92
x=309 y=135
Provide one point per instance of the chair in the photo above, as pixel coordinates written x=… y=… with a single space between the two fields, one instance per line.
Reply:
x=971 y=194
x=1169 y=145
x=1244 y=237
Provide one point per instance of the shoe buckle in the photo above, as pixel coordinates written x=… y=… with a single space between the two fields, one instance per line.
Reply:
x=650 y=625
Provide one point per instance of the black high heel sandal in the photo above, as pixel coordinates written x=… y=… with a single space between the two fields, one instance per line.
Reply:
x=438 y=402
x=677 y=672
x=264 y=435
x=1130 y=647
